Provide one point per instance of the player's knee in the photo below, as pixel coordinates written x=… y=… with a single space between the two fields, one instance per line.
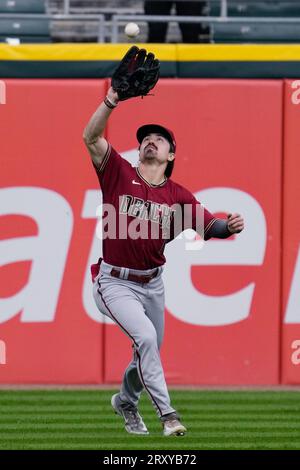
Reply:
x=149 y=339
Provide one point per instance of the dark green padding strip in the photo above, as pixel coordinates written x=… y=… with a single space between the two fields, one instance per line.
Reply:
x=103 y=69
x=68 y=69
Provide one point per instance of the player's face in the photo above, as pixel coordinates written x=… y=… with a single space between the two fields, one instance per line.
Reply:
x=155 y=146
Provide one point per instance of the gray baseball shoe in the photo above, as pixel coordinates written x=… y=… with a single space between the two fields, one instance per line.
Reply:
x=134 y=423
x=172 y=425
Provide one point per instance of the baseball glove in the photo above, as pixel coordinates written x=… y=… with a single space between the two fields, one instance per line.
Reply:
x=136 y=74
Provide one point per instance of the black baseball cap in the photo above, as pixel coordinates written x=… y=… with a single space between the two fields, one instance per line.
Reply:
x=147 y=129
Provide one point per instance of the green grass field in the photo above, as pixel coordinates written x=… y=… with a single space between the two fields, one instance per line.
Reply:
x=83 y=419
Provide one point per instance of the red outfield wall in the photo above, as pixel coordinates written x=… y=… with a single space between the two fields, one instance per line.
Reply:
x=223 y=302
x=291 y=237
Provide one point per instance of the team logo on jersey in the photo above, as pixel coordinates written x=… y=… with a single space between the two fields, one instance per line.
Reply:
x=137 y=218
x=146 y=210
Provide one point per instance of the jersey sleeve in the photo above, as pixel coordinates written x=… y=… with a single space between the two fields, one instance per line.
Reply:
x=109 y=171
x=195 y=215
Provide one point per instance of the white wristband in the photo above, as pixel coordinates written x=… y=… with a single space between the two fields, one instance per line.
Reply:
x=109 y=103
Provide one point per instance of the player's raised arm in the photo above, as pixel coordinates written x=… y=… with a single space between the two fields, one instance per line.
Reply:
x=136 y=74
x=93 y=133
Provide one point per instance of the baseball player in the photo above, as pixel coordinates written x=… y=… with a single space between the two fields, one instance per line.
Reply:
x=128 y=285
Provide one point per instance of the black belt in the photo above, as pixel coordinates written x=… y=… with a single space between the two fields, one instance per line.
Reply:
x=141 y=278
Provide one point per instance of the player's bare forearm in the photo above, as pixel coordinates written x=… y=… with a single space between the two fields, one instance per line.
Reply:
x=96 y=125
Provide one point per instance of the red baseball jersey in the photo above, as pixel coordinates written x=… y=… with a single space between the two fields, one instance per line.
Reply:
x=139 y=218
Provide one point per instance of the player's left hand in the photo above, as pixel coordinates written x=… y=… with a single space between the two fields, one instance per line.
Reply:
x=235 y=223
x=136 y=74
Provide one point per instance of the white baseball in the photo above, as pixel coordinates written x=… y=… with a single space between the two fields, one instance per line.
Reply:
x=131 y=30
